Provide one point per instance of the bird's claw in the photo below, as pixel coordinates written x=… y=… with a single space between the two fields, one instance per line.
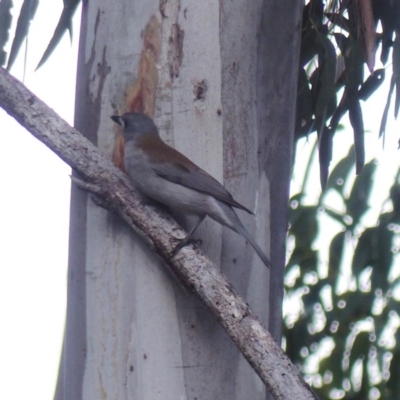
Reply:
x=184 y=242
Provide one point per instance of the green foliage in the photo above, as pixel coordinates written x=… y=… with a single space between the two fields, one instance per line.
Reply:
x=5 y=24
x=26 y=15
x=340 y=38
x=342 y=318
x=64 y=24
x=28 y=11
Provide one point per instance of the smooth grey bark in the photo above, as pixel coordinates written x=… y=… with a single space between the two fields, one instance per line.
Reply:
x=260 y=45
x=225 y=97
x=278 y=63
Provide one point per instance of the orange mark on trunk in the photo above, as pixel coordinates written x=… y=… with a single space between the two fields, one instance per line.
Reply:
x=141 y=95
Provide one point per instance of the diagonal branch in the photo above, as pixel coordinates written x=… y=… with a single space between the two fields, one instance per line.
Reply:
x=194 y=268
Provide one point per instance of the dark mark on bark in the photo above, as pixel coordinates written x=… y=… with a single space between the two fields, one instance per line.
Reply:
x=102 y=70
x=200 y=90
x=162 y=8
x=175 y=52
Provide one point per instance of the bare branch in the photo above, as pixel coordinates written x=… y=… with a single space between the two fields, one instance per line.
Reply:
x=194 y=268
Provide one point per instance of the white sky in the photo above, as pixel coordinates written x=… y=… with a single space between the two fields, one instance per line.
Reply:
x=34 y=218
x=34 y=214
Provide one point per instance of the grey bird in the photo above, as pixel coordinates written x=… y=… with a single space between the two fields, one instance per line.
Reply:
x=164 y=174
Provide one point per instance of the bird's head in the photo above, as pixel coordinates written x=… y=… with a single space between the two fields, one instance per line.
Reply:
x=136 y=125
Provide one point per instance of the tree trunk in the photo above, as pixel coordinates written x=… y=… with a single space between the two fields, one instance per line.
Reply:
x=220 y=81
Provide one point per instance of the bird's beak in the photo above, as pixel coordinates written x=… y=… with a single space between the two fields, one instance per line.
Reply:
x=119 y=120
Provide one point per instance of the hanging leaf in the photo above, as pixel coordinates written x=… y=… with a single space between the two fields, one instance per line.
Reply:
x=396 y=73
x=304 y=111
x=395 y=198
x=26 y=15
x=309 y=47
x=334 y=363
x=373 y=82
x=339 y=113
x=369 y=86
x=360 y=344
x=338 y=177
x=336 y=253
x=357 y=123
x=307 y=260
x=382 y=257
x=326 y=81
x=393 y=383
x=363 y=253
x=388 y=14
x=354 y=72
x=305 y=227
x=64 y=24
x=382 y=128
x=357 y=203
x=325 y=155
x=5 y=24
x=297 y=334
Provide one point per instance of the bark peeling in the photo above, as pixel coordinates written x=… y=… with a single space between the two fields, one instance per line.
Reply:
x=141 y=96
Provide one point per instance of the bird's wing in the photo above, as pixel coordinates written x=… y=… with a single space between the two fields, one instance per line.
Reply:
x=197 y=179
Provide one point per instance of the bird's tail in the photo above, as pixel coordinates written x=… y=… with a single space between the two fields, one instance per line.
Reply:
x=243 y=231
x=237 y=226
